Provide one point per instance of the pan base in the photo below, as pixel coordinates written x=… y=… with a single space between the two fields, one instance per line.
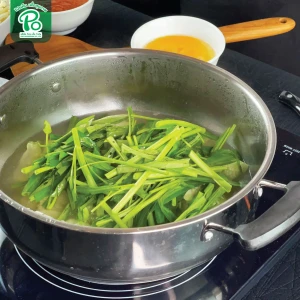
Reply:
x=109 y=291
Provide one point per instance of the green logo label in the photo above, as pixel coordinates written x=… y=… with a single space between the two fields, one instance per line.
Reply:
x=30 y=20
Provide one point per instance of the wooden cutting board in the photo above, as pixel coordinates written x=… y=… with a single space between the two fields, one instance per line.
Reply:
x=62 y=46
x=58 y=46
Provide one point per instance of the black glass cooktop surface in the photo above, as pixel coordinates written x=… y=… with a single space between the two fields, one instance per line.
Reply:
x=229 y=276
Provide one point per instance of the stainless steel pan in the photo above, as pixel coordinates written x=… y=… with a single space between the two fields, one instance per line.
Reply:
x=157 y=83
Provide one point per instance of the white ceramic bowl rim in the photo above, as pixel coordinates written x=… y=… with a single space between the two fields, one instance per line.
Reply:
x=208 y=24
x=73 y=9
x=2 y=82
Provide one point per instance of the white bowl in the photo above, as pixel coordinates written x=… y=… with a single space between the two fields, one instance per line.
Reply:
x=181 y=25
x=4 y=30
x=2 y=82
x=65 y=22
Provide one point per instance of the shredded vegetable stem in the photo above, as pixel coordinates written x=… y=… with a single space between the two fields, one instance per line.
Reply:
x=217 y=178
x=130 y=170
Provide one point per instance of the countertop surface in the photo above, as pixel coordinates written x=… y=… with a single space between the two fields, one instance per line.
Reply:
x=111 y=25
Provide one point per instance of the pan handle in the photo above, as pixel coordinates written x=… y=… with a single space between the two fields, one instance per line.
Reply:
x=257 y=29
x=14 y=53
x=276 y=221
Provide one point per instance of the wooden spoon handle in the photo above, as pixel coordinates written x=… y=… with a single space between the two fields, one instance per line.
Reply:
x=257 y=29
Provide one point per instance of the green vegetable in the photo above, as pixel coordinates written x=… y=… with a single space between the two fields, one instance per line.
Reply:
x=223 y=138
x=130 y=170
x=217 y=178
x=81 y=160
x=65 y=213
x=47 y=130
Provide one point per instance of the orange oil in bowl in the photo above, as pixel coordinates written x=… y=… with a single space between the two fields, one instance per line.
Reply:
x=184 y=45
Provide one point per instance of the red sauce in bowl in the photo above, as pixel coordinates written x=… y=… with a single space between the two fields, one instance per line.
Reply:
x=62 y=5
